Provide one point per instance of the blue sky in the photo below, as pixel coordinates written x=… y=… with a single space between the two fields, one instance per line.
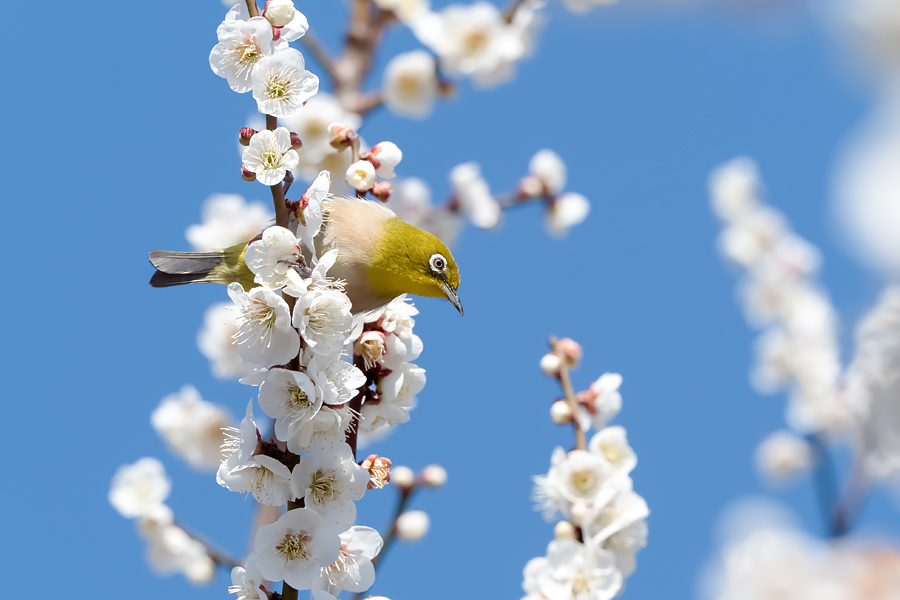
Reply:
x=123 y=133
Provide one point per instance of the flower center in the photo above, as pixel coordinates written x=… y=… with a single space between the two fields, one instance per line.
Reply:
x=323 y=485
x=270 y=158
x=580 y=584
x=474 y=42
x=299 y=399
x=294 y=546
x=408 y=85
x=584 y=481
x=612 y=454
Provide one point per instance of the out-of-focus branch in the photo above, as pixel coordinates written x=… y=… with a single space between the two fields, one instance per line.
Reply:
x=566 y=383
x=850 y=502
x=320 y=54
x=369 y=102
x=219 y=557
x=252 y=8
x=510 y=13
x=367 y=24
x=825 y=477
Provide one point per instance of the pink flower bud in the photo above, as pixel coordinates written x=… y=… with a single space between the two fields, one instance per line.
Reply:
x=571 y=350
x=247 y=174
x=370 y=156
x=434 y=476
x=382 y=190
x=341 y=136
x=296 y=142
x=245 y=135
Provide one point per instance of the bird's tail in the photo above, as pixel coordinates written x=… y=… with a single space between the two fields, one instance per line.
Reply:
x=180 y=268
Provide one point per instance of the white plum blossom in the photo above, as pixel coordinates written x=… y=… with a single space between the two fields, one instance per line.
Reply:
x=473 y=40
x=604 y=399
x=272 y=256
x=313 y=213
x=192 y=427
x=242 y=43
x=397 y=395
x=292 y=30
x=331 y=483
x=389 y=156
x=171 y=550
x=291 y=398
x=246 y=582
x=361 y=175
x=246 y=471
x=781 y=456
x=549 y=170
x=323 y=318
x=566 y=211
x=280 y=12
x=139 y=488
x=295 y=548
x=216 y=341
x=576 y=482
x=228 y=219
x=412 y=525
x=266 y=337
x=612 y=444
x=573 y=571
x=474 y=195
x=270 y=155
x=313 y=124
x=281 y=83
x=353 y=570
x=620 y=527
x=735 y=188
x=329 y=427
x=410 y=84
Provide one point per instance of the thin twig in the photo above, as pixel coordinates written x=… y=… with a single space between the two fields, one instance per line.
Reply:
x=510 y=13
x=251 y=6
x=369 y=102
x=566 y=383
x=405 y=496
x=320 y=54
x=825 y=477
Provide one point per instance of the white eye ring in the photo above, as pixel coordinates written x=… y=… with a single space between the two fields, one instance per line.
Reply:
x=438 y=263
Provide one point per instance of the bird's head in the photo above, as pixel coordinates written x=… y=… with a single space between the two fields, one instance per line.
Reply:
x=409 y=260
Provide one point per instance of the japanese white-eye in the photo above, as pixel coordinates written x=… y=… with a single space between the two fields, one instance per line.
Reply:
x=379 y=257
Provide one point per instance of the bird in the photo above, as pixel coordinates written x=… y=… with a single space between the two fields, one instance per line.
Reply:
x=379 y=257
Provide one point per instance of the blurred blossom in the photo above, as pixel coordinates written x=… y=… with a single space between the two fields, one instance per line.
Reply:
x=412 y=525
x=228 y=219
x=867 y=189
x=735 y=188
x=781 y=456
x=410 y=84
x=474 y=196
x=565 y=212
x=139 y=488
x=872 y=27
x=216 y=342
x=192 y=427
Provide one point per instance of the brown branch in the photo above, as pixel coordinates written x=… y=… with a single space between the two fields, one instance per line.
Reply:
x=254 y=10
x=510 y=13
x=319 y=53
x=566 y=383
x=369 y=102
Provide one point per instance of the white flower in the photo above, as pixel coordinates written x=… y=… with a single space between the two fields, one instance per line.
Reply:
x=389 y=156
x=270 y=155
x=396 y=395
x=280 y=12
x=410 y=84
x=472 y=40
x=576 y=482
x=272 y=256
x=573 y=571
x=313 y=216
x=228 y=219
x=265 y=337
x=330 y=427
x=474 y=195
x=434 y=476
x=291 y=31
x=281 y=83
x=550 y=170
x=412 y=525
x=295 y=548
x=353 y=570
x=155 y=520
x=612 y=444
x=782 y=455
x=246 y=583
x=139 y=488
x=291 y=398
x=606 y=402
x=192 y=427
x=565 y=212
x=244 y=471
x=323 y=318
x=748 y=240
x=241 y=45
x=735 y=188
x=619 y=526
x=173 y=550
x=338 y=378
x=313 y=124
x=216 y=341
x=361 y=175
x=330 y=484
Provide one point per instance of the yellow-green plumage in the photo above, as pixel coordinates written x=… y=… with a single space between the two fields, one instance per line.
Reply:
x=379 y=257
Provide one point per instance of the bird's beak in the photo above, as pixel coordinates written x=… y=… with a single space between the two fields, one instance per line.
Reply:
x=453 y=297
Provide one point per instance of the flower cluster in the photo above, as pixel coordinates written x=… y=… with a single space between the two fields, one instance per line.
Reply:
x=798 y=348
x=591 y=487
x=138 y=491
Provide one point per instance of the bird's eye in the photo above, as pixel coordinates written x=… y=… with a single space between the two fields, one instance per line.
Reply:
x=438 y=263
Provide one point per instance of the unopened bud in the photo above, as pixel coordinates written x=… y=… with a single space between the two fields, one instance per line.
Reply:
x=379 y=470
x=403 y=478
x=296 y=142
x=341 y=136
x=434 y=476
x=247 y=174
x=571 y=350
x=412 y=525
x=245 y=135
x=577 y=513
x=279 y=12
x=372 y=158
x=382 y=190
x=361 y=175
x=560 y=412
x=531 y=186
x=564 y=531
x=550 y=365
